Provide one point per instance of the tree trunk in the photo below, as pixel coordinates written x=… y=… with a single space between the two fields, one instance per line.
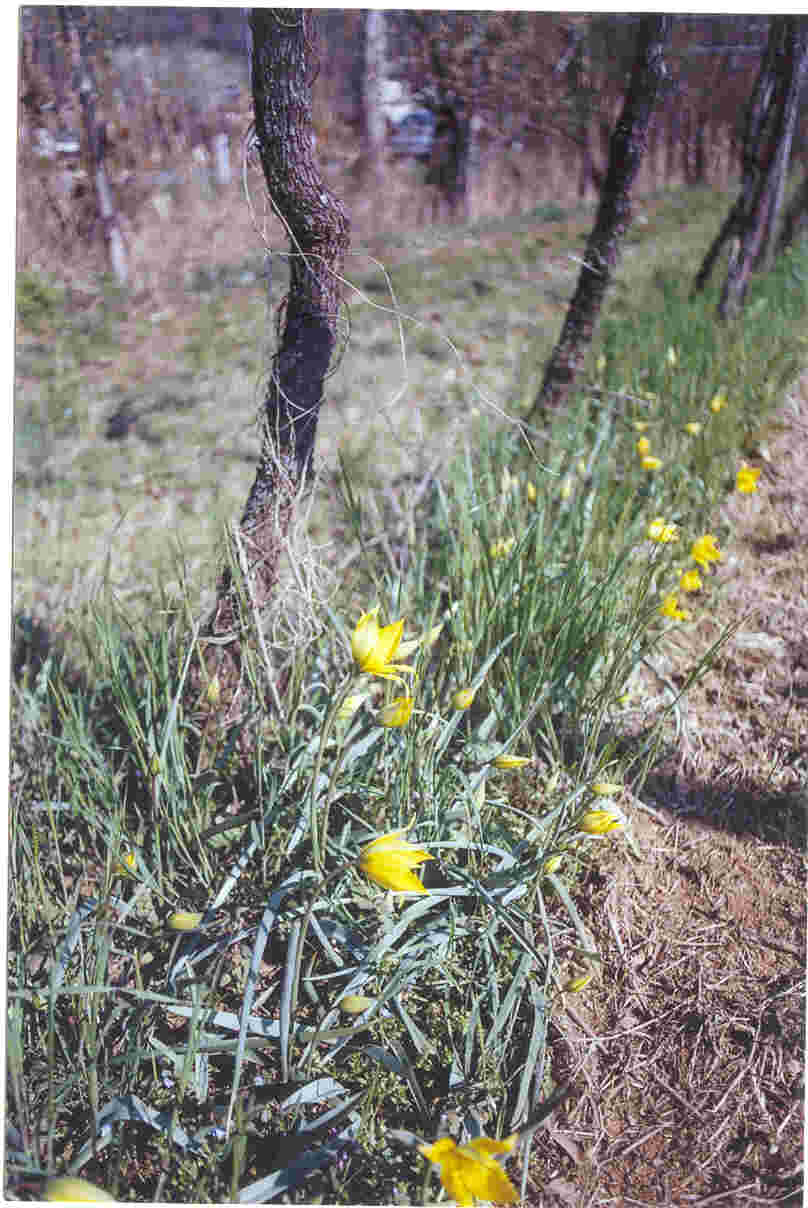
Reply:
x=318 y=230
x=626 y=150
x=795 y=220
x=768 y=133
x=74 y=27
x=375 y=73
x=788 y=61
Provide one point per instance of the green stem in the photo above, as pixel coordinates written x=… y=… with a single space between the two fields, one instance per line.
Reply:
x=317 y=851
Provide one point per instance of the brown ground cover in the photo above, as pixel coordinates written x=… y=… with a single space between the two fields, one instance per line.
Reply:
x=687 y=1054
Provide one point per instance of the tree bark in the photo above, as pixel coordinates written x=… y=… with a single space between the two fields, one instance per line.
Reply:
x=795 y=220
x=74 y=27
x=626 y=149
x=768 y=134
x=318 y=229
x=375 y=73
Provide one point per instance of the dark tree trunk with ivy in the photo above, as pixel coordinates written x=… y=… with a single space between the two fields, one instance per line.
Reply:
x=319 y=233
x=626 y=149
x=768 y=133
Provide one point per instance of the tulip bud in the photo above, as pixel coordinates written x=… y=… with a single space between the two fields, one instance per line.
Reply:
x=184 y=920
x=463 y=698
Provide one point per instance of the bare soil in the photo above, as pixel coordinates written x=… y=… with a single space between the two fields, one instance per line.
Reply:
x=687 y=1053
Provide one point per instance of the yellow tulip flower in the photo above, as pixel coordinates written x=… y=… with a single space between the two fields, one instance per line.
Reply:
x=670 y=608
x=470 y=1172
x=651 y=463
x=691 y=581
x=600 y=822
x=463 y=698
x=661 y=532
x=704 y=551
x=397 y=713
x=373 y=647
x=643 y=446
x=747 y=479
x=389 y=861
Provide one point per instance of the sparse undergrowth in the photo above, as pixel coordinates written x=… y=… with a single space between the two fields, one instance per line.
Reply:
x=553 y=582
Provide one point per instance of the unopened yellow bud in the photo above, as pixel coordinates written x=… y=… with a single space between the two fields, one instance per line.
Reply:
x=184 y=920
x=126 y=865
x=507 y=762
x=355 y=1004
x=575 y=984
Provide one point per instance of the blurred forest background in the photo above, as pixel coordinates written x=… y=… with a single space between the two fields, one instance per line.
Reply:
x=465 y=115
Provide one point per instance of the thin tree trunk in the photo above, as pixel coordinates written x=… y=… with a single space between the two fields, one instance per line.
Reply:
x=375 y=73
x=318 y=230
x=768 y=134
x=74 y=26
x=626 y=150
x=796 y=217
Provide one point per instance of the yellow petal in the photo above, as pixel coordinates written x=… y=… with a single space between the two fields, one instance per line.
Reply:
x=389 y=861
x=365 y=636
x=397 y=713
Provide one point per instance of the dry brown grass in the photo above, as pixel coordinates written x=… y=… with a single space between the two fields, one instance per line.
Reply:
x=688 y=1053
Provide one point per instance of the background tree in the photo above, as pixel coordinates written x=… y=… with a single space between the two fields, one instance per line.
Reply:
x=628 y=143
x=374 y=77
x=318 y=230
x=770 y=121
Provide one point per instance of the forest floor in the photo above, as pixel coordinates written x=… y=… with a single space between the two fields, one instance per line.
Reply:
x=688 y=1053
